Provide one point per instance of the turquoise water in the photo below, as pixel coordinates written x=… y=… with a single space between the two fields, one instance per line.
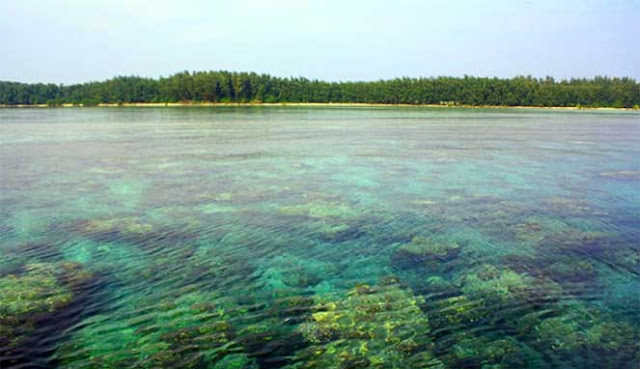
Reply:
x=266 y=237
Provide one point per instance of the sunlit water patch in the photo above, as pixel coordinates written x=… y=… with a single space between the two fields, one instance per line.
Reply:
x=268 y=237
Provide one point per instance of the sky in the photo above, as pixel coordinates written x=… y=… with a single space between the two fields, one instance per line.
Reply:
x=71 y=41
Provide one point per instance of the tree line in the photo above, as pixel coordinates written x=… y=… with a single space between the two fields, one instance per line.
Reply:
x=233 y=87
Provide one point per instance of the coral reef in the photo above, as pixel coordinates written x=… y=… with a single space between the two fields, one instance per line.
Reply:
x=378 y=327
x=582 y=334
x=424 y=252
x=288 y=270
x=32 y=296
x=192 y=331
x=472 y=351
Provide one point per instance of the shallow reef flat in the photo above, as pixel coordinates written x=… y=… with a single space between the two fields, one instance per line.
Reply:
x=248 y=238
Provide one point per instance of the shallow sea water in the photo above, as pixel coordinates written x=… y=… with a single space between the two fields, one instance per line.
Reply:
x=289 y=237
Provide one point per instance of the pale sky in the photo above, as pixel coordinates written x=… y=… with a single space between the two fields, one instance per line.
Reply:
x=68 y=41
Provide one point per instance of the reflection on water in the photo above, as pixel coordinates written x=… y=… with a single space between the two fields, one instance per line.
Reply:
x=271 y=237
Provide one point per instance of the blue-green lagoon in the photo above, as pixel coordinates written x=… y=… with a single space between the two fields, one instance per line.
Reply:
x=293 y=237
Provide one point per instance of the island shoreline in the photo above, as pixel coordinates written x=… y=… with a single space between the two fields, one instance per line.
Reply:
x=354 y=105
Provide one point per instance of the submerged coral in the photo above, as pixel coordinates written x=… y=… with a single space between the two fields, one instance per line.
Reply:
x=424 y=252
x=580 y=334
x=36 y=291
x=570 y=206
x=192 y=331
x=503 y=285
x=471 y=351
x=289 y=275
x=570 y=270
x=452 y=312
x=381 y=326
x=29 y=298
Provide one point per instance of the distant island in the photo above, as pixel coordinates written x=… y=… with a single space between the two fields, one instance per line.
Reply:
x=222 y=87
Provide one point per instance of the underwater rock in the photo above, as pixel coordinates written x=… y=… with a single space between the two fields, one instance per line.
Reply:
x=423 y=251
x=372 y=327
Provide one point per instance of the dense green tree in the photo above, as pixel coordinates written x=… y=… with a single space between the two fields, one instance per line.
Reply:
x=232 y=87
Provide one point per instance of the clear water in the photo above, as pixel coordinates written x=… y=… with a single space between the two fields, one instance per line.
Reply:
x=266 y=237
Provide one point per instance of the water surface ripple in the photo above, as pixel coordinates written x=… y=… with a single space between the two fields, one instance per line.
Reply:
x=264 y=237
